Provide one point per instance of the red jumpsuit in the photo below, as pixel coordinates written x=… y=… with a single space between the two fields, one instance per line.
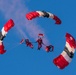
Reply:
x=29 y=43
x=49 y=47
x=40 y=42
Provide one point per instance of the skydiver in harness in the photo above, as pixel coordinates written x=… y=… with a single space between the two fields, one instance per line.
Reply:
x=40 y=42
x=28 y=43
x=49 y=48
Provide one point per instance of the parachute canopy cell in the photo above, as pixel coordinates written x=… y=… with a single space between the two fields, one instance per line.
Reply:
x=34 y=14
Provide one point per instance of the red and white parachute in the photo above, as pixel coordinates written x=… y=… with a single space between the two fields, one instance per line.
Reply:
x=9 y=24
x=35 y=14
x=40 y=35
x=66 y=56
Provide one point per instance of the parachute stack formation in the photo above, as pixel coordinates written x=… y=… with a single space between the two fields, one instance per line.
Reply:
x=60 y=61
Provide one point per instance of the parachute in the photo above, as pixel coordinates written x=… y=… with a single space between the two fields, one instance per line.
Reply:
x=66 y=56
x=3 y=33
x=40 y=35
x=27 y=42
x=34 y=14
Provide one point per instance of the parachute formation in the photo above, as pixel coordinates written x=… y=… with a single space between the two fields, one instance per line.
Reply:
x=9 y=24
x=39 y=41
x=61 y=61
x=34 y=14
x=66 y=56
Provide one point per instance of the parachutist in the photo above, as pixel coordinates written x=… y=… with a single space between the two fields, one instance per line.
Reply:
x=40 y=42
x=49 y=48
x=28 y=43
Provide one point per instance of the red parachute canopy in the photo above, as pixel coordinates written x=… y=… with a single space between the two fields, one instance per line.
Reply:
x=70 y=39
x=66 y=56
x=40 y=35
x=2 y=51
x=9 y=24
x=34 y=14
